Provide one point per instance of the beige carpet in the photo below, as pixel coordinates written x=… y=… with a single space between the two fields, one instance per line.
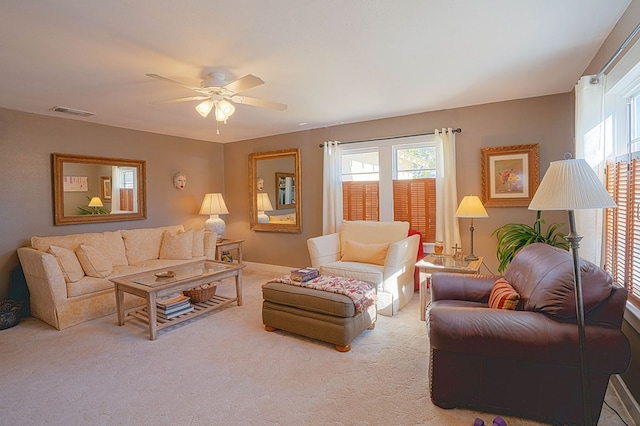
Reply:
x=223 y=368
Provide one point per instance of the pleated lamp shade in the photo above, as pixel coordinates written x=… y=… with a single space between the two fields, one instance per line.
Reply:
x=571 y=185
x=213 y=205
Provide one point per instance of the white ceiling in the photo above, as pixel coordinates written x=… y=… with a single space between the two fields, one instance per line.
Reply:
x=331 y=61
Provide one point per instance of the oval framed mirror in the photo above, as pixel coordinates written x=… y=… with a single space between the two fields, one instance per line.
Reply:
x=275 y=202
x=97 y=189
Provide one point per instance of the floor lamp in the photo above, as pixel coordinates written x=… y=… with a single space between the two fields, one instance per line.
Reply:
x=570 y=185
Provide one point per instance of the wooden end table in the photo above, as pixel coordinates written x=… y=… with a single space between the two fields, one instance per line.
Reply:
x=442 y=263
x=227 y=245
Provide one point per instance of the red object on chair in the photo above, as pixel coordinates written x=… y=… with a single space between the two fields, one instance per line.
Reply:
x=416 y=282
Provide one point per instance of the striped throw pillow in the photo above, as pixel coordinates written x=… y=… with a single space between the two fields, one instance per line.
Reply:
x=503 y=296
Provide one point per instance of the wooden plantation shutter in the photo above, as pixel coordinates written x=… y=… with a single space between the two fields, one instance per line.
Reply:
x=622 y=226
x=360 y=200
x=633 y=251
x=414 y=201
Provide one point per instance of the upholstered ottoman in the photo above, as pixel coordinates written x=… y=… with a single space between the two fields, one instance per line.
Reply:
x=324 y=315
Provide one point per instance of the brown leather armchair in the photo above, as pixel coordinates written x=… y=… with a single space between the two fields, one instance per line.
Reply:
x=525 y=362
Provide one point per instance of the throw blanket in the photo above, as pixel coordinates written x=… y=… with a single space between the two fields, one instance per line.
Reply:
x=362 y=294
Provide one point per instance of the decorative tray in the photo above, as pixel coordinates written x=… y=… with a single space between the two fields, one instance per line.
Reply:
x=165 y=274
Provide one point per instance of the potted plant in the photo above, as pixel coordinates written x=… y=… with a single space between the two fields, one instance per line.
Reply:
x=513 y=236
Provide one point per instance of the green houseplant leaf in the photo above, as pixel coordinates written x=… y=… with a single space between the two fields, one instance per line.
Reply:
x=514 y=236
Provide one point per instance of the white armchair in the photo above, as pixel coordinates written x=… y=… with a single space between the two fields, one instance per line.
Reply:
x=377 y=252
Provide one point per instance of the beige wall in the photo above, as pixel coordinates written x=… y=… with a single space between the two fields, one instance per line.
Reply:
x=546 y=120
x=26 y=203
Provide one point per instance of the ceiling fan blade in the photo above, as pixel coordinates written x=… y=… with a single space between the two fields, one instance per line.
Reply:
x=244 y=83
x=172 y=81
x=258 y=102
x=187 y=99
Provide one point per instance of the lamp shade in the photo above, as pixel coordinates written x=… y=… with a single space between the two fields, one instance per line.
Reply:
x=213 y=204
x=471 y=206
x=95 y=202
x=204 y=107
x=570 y=185
x=264 y=203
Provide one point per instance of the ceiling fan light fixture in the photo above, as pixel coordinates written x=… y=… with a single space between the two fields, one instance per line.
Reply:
x=220 y=115
x=226 y=107
x=205 y=107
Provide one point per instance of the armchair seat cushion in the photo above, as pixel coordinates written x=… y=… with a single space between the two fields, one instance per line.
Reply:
x=359 y=271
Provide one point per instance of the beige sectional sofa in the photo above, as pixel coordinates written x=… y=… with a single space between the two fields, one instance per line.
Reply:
x=68 y=276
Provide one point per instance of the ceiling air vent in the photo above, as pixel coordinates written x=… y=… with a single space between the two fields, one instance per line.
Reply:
x=72 y=111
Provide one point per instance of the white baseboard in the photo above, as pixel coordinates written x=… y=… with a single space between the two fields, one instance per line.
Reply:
x=270 y=268
x=629 y=402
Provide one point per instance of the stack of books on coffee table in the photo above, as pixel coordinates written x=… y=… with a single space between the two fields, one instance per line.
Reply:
x=173 y=305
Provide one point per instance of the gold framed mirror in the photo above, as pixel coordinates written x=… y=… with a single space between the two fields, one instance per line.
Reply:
x=275 y=203
x=97 y=189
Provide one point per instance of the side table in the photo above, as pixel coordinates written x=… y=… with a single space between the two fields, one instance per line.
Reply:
x=225 y=245
x=442 y=263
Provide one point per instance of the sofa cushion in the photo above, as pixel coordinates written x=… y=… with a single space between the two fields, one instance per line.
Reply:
x=177 y=246
x=144 y=244
x=69 y=264
x=551 y=289
x=87 y=286
x=71 y=241
x=113 y=248
x=503 y=296
x=354 y=251
x=94 y=262
x=198 y=243
x=369 y=232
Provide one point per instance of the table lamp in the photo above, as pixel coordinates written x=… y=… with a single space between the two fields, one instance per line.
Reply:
x=95 y=203
x=471 y=207
x=572 y=184
x=213 y=205
x=264 y=204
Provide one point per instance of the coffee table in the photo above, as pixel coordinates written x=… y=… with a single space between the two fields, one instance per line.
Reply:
x=192 y=274
x=442 y=263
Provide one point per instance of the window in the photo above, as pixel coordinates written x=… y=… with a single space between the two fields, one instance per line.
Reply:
x=389 y=180
x=622 y=225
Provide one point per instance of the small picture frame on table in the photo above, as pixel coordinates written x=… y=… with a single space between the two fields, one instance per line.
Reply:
x=509 y=175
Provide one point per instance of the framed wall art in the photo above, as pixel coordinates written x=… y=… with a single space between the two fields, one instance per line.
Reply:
x=509 y=175
x=105 y=188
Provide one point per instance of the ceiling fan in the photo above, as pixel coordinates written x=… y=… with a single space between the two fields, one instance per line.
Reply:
x=215 y=93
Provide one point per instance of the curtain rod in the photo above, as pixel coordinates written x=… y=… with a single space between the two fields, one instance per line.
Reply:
x=458 y=130
x=596 y=78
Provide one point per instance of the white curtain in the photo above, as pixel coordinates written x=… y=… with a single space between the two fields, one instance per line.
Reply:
x=332 y=188
x=591 y=129
x=447 y=229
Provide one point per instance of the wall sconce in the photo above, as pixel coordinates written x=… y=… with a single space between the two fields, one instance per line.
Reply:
x=264 y=204
x=213 y=205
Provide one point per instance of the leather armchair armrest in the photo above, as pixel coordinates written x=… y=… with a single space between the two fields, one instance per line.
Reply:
x=474 y=288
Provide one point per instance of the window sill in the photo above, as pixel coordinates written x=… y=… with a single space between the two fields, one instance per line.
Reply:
x=632 y=316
